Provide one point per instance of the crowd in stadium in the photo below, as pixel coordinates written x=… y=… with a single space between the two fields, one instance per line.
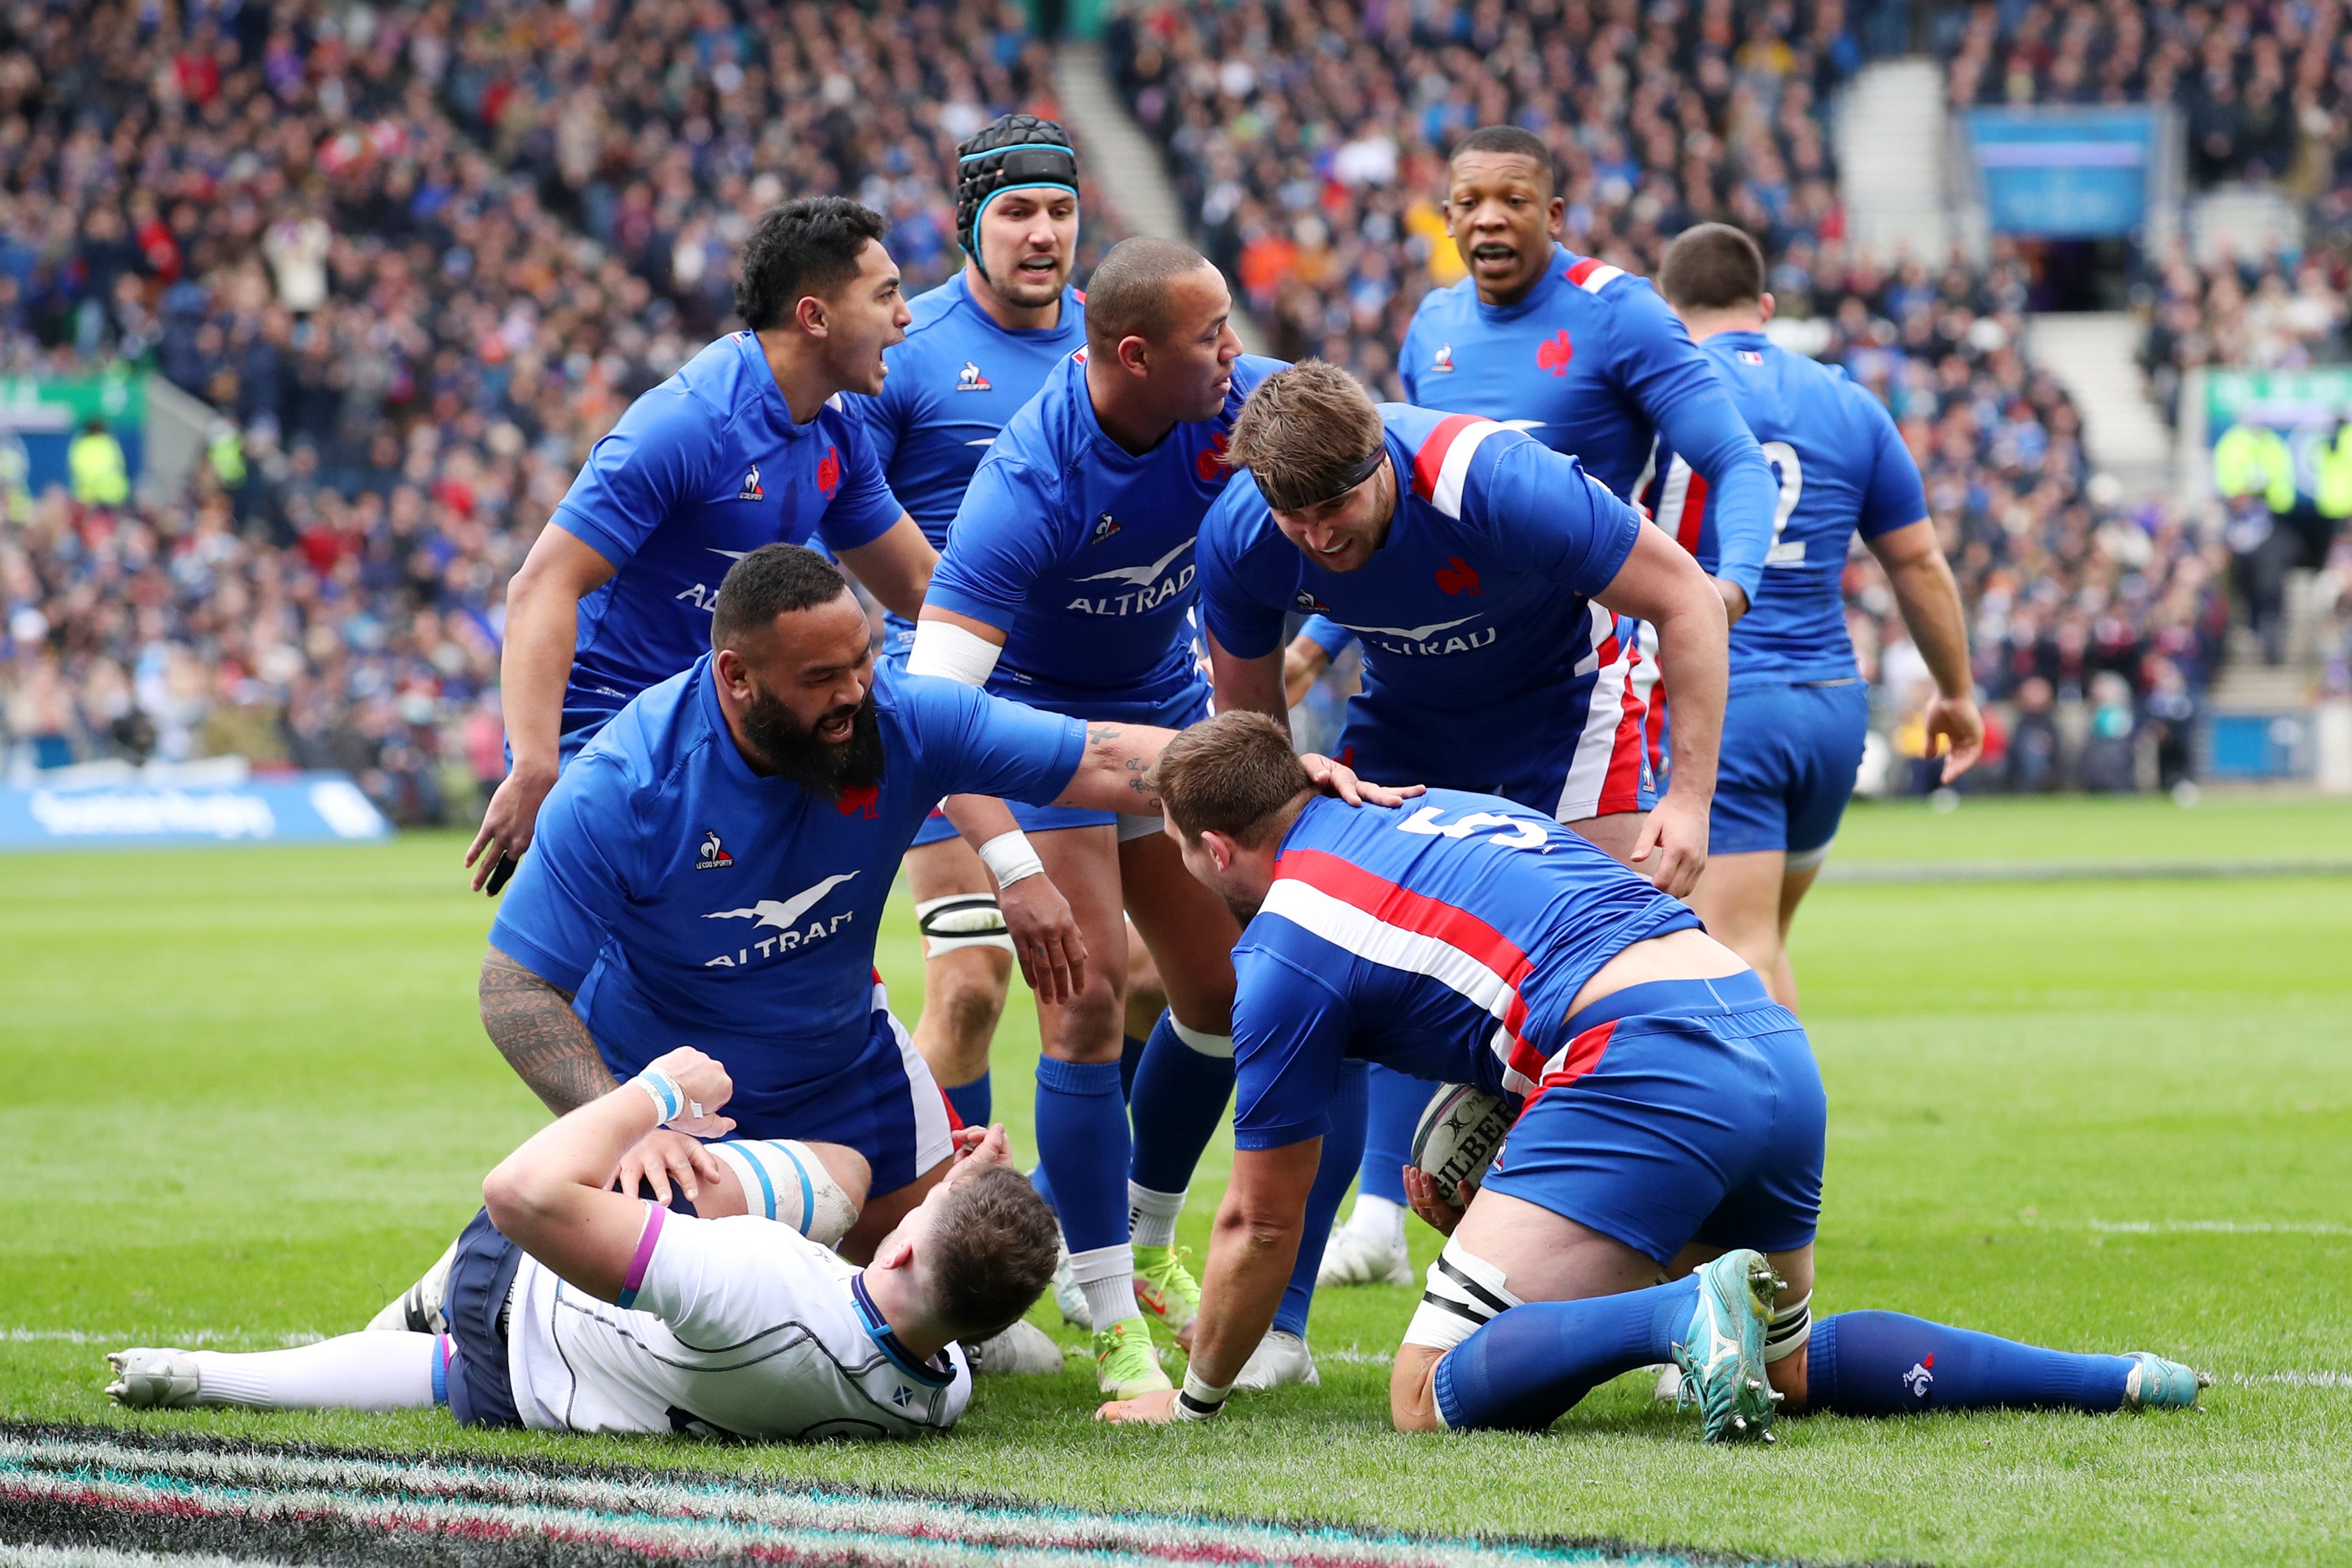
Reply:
x=421 y=263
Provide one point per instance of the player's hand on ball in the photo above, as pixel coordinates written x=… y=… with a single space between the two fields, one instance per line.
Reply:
x=662 y=1157
x=1672 y=845
x=1045 y=938
x=706 y=1086
x=1156 y=1408
x=1421 y=1193
x=1339 y=778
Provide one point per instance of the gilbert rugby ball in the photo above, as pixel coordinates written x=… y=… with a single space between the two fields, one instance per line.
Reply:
x=1458 y=1132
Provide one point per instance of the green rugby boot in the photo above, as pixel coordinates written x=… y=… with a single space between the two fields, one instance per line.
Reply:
x=1723 y=1359
x=1126 y=1364
x=2156 y=1383
x=1165 y=1286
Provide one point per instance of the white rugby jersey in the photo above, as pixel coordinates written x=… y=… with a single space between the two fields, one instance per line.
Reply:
x=740 y=1327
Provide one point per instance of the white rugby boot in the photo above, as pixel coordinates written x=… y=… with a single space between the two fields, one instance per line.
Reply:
x=1024 y=1350
x=1068 y=1295
x=423 y=1308
x=1280 y=1361
x=1353 y=1257
x=154 y=1379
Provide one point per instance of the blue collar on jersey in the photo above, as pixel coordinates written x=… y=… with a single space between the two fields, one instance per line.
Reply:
x=877 y=1329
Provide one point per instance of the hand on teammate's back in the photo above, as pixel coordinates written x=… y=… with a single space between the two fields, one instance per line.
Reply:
x=1339 y=778
x=1676 y=833
x=1045 y=938
x=507 y=824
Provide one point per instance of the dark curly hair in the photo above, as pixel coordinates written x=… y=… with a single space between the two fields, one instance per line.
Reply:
x=808 y=245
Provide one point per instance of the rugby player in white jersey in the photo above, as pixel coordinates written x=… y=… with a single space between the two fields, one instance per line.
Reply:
x=573 y=1308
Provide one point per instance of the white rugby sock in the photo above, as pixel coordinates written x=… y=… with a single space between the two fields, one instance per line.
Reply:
x=366 y=1371
x=1151 y=1216
x=1379 y=1219
x=1106 y=1275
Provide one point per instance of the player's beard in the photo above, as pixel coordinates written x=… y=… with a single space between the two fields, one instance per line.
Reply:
x=791 y=749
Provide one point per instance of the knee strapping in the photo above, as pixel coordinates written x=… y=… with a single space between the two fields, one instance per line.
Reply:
x=1464 y=1294
x=1807 y=859
x=962 y=920
x=785 y=1181
x=1202 y=1042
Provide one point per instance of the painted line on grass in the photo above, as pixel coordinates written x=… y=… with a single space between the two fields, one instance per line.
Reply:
x=1868 y=872
x=176 y=1338
x=2292 y=1379
x=141 y=1491
x=2221 y=1227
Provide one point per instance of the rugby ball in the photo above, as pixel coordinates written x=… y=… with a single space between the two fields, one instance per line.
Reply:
x=1458 y=1132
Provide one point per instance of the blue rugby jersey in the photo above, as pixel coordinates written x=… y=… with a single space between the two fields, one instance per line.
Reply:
x=1841 y=469
x=1445 y=937
x=954 y=383
x=1081 y=551
x=688 y=901
x=1591 y=363
x=700 y=471
x=1482 y=645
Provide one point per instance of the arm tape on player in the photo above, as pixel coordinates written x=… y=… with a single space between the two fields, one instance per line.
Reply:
x=962 y=920
x=1466 y=1293
x=1010 y=858
x=669 y=1100
x=946 y=650
x=1199 y=1399
x=1789 y=1328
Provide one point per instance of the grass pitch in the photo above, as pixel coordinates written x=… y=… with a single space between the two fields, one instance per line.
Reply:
x=250 y=1101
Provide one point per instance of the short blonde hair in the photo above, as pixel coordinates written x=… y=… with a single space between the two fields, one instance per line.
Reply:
x=1303 y=432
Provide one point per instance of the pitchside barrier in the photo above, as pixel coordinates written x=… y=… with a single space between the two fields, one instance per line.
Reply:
x=140 y=811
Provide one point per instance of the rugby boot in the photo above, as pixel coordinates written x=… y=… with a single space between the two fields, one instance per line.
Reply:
x=154 y=1379
x=1126 y=1367
x=2156 y=1383
x=1164 y=1287
x=1723 y=1358
x=1068 y=1294
x=1352 y=1258
x=1023 y=1350
x=423 y=1308
x=1280 y=1361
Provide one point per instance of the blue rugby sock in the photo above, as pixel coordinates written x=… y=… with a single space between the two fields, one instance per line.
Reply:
x=1887 y=1363
x=973 y=1102
x=1179 y=1098
x=1082 y=1144
x=1130 y=1057
x=1395 y=1104
x=1529 y=1366
x=1333 y=1178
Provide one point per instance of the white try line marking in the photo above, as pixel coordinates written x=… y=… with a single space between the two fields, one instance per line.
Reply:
x=2222 y=1226
x=174 y=1338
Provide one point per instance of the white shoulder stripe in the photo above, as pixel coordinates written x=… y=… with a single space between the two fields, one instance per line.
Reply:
x=1354 y=931
x=1453 y=471
x=1600 y=277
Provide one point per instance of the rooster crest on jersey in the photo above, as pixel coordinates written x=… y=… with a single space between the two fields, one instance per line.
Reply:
x=969 y=379
x=713 y=854
x=1554 y=353
x=1443 y=361
x=752 y=491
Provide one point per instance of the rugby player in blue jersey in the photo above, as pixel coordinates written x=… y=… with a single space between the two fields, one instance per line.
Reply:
x=1069 y=583
x=712 y=870
x=1587 y=360
x=1797 y=711
x=977 y=348
x=1488 y=578
x=745 y=445
x=1673 y=1122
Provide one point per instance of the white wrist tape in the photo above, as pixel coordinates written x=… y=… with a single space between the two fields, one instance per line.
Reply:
x=951 y=652
x=1009 y=857
x=1198 y=1399
x=669 y=1100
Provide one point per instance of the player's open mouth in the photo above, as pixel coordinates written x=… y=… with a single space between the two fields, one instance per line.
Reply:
x=1040 y=266
x=837 y=728
x=1494 y=255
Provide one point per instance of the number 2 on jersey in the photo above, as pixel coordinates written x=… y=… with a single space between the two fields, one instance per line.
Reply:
x=1792 y=473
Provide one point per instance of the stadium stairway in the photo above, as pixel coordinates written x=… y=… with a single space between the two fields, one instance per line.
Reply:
x=1123 y=159
x=2091 y=353
x=1890 y=137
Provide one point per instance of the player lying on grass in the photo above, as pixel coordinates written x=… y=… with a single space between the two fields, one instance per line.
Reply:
x=575 y=1308
x=1673 y=1120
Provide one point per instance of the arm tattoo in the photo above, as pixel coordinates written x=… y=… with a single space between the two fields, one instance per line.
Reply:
x=1101 y=733
x=532 y=1023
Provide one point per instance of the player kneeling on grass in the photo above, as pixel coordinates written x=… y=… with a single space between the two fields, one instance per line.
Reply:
x=1673 y=1120
x=574 y=1308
